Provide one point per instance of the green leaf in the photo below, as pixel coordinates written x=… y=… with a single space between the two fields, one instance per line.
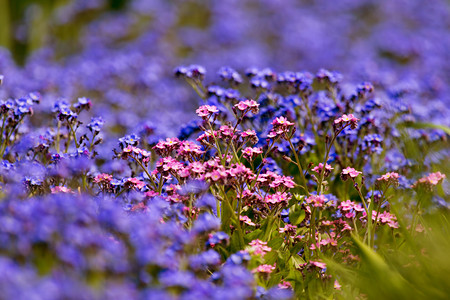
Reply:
x=276 y=243
x=256 y=234
x=394 y=284
x=423 y=125
x=234 y=243
x=227 y=215
x=296 y=214
x=297 y=261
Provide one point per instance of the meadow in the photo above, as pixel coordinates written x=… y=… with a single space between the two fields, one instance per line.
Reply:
x=224 y=149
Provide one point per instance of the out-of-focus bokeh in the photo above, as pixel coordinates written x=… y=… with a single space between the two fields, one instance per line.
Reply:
x=122 y=53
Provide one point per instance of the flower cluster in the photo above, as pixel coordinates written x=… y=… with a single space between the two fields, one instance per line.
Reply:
x=245 y=194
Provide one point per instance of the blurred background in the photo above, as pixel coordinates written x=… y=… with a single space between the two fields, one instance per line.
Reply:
x=122 y=53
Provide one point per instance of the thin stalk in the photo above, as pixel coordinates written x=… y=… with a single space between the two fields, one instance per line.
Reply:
x=299 y=166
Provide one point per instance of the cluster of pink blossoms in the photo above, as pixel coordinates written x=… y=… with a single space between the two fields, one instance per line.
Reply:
x=251 y=105
x=134 y=183
x=288 y=228
x=264 y=269
x=349 y=172
x=205 y=111
x=316 y=200
x=165 y=148
x=350 y=208
x=251 y=153
x=61 y=189
x=281 y=126
x=258 y=247
x=383 y=218
x=344 y=121
x=324 y=242
x=318 y=264
x=134 y=150
x=278 y=198
x=246 y=220
x=389 y=178
x=275 y=181
x=103 y=178
x=318 y=169
x=431 y=180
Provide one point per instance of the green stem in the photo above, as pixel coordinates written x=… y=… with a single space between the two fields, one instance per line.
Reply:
x=300 y=169
x=57 y=142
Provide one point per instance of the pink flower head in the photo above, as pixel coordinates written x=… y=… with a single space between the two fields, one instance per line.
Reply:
x=316 y=201
x=386 y=218
x=278 y=198
x=250 y=153
x=337 y=286
x=165 y=148
x=318 y=264
x=281 y=121
x=259 y=247
x=135 y=183
x=135 y=151
x=264 y=269
x=189 y=149
x=205 y=111
x=226 y=131
x=346 y=205
x=281 y=125
x=318 y=169
x=248 y=104
x=248 y=133
x=349 y=172
x=246 y=220
x=389 y=178
x=431 y=180
x=197 y=167
x=285 y=285
x=288 y=228
x=103 y=178
x=346 y=120
x=61 y=189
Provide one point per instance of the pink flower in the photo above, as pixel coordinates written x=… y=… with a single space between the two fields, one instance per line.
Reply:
x=226 y=131
x=431 y=180
x=337 y=286
x=136 y=183
x=197 y=167
x=264 y=269
x=259 y=247
x=248 y=133
x=349 y=172
x=103 y=178
x=389 y=178
x=318 y=264
x=281 y=121
x=246 y=220
x=278 y=197
x=188 y=149
x=288 y=228
x=250 y=153
x=346 y=120
x=61 y=189
x=316 y=201
x=318 y=169
x=205 y=111
x=285 y=285
x=281 y=125
x=248 y=104
x=165 y=148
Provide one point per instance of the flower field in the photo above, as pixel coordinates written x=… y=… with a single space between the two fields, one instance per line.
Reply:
x=224 y=149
